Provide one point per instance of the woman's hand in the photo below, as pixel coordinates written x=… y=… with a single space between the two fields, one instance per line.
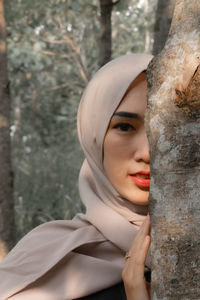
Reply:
x=133 y=274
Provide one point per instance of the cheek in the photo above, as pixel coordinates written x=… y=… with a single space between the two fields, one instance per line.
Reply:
x=112 y=147
x=119 y=147
x=109 y=154
x=116 y=152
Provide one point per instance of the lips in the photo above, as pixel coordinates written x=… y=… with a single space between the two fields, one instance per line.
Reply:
x=141 y=179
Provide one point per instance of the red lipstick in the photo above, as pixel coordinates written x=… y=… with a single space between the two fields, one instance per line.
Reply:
x=141 y=179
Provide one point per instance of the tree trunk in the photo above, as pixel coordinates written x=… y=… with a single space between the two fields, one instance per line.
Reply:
x=105 y=40
x=164 y=15
x=6 y=193
x=173 y=129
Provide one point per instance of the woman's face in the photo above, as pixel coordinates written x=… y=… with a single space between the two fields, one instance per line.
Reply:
x=126 y=149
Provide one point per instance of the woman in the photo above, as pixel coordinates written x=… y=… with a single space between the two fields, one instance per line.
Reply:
x=84 y=257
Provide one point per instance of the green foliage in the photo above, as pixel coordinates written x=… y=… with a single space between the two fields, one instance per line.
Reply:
x=132 y=25
x=52 y=52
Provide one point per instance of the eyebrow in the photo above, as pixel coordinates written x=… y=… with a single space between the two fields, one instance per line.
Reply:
x=127 y=115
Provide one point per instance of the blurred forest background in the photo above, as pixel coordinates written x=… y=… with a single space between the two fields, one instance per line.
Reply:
x=53 y=50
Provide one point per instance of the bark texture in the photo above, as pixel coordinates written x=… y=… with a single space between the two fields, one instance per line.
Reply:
x=173 y=129
x=6 y=195
x=164 y=15
x=105 y=40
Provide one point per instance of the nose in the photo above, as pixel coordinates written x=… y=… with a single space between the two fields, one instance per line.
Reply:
x=142 y=151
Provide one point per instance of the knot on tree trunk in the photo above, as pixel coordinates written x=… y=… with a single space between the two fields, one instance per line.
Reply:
x=188 y=98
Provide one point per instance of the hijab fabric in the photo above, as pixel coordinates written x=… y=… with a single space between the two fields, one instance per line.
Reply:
x=64 y=260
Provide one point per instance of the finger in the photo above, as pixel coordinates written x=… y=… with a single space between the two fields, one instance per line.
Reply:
x=140 y=260
x=133 y=273
x=140 y=236
x=133 y=277
x=134 y=267
x=145 y=227
x=135 y=264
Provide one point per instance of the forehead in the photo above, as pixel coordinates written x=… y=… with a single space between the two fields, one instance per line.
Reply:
x=135 y=99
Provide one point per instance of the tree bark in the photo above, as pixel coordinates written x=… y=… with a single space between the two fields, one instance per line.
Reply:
x=164 y=15
x=105 y=40
x=6 y=193
x=173 y=129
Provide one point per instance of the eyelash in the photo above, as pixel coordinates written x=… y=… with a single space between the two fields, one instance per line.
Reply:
x=124 y=127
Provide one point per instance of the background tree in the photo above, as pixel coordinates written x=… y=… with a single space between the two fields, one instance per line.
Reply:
x=164 y=15
x=174 y=126
x=6 y=191
x=105 y=40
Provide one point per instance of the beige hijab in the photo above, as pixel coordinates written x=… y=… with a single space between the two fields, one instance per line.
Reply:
x=63 y=260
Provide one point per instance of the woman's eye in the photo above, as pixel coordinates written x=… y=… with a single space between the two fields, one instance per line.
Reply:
x=124 y=127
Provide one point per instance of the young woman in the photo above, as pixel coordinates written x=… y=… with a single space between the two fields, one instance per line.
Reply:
x=84 y=258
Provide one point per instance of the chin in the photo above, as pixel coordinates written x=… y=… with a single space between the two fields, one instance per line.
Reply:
x=139 y=198
x=141 y=203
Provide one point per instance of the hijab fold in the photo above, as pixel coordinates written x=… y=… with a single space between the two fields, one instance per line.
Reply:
x=64 y=260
